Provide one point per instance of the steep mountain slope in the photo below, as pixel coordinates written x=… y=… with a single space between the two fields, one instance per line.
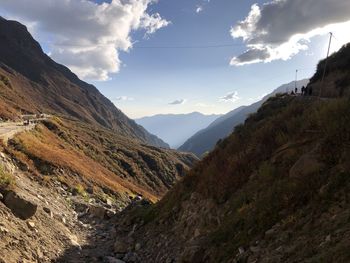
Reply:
x=276 y=190
x=38 y=84
x=87 y=143
x=175 y=129
x=206 y=139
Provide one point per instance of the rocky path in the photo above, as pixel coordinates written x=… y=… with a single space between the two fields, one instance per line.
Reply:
x=64 y=228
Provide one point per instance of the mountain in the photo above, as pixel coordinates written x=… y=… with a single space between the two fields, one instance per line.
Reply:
x=39 y=84
x=87 y=141
x=275 y=190
x=206 y=139
x=175 y=129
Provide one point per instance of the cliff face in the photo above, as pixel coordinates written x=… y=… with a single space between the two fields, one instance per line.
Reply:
x=35 y=83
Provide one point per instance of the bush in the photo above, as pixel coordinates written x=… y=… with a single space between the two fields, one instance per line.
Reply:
x=79 y=189
x=7 y=181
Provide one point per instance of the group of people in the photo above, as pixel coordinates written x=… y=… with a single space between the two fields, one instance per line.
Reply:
x=305 y=91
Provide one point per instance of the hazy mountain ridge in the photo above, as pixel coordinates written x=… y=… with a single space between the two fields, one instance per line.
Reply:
x=206 y=139
x=175 y=129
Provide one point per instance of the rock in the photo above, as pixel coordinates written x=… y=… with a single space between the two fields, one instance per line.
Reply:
x=19 y=206
x=255 y=249
x=328 y=238
x=121 y=247
x=3 y=230
x=109 y=201
x=31 y=225
x=137 y=246
x=241 y=250
x=270 y=232
x=130 y=257
x=48 y=211
x=197 y=233
x=307 y=164
x=97 y=211
x=110 y=214
x=113 y=260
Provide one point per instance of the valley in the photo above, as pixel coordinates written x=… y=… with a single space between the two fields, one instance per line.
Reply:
x=82 y=182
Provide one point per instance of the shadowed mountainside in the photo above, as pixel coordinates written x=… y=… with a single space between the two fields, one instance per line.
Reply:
x=38 y=84
x=276 y=190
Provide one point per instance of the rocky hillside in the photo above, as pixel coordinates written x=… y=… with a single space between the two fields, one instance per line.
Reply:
x=63 y=179
x=205 y=140
x=87 y=142
x=276 y=190
x=31 y=82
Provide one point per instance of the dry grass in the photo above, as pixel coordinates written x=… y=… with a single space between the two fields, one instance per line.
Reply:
x=7 y=181
x=43 y=145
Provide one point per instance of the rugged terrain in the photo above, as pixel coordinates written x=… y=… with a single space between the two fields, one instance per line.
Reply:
x=275 y=190
x=64 y=177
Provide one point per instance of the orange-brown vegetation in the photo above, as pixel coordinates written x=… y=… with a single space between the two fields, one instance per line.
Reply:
x=93 y=156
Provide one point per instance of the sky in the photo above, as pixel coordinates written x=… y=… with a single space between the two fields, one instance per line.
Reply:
x=211 y=56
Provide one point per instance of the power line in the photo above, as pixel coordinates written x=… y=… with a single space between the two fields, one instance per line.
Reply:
x=155 y=47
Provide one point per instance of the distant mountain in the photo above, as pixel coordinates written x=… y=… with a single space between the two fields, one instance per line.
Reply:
x=39 y=84
x=206 y=139
x=175 y=129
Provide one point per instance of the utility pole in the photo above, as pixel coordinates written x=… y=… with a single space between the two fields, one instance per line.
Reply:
x=326 y=62
x=296 y=79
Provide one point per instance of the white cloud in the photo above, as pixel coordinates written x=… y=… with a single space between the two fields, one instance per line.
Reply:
x=85 y=36
x=281 y=29
x=124 y=98
x=199 y=9
x=230 y=97
x=178 y=102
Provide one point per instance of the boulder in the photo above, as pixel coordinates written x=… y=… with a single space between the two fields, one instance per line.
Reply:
x=20 y=207
x=307 y=164
x=97 y=211
x=121 y=247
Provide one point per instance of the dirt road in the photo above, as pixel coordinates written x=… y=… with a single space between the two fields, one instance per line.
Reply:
x=10 y=129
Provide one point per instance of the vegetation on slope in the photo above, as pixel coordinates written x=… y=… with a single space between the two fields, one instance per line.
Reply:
x=276 y=190
x=288 y=178
x=80 y=153
x=31 y=82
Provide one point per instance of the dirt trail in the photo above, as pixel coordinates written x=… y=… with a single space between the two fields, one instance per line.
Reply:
x=10 y=129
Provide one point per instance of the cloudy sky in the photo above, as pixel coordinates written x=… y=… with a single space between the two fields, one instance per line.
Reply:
x=181 y=56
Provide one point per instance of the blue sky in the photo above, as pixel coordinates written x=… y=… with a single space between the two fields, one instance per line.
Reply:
x=152 y=74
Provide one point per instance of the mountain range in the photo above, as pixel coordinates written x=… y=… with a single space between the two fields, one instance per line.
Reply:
x=87 y=141
x=175 y=129
x=42 y=85
x=206 y=139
